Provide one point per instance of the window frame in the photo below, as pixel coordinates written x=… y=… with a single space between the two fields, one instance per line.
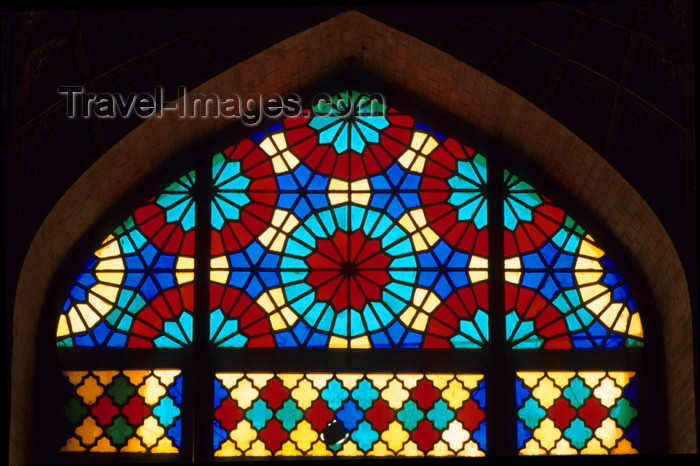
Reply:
x=496 y=361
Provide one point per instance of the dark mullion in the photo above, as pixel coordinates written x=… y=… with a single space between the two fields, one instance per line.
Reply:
x=200 y=376
x=500 y=385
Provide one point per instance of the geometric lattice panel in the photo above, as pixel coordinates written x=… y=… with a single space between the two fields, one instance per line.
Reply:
x=562 y=289
x=136 y=289
x=569 y=413
x=134 y=411
x=361 y=232
x=325 y=414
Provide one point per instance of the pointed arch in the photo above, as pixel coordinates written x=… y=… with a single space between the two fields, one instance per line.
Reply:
x=409 y=64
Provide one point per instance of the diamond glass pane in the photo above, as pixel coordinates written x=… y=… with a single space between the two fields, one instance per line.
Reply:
x=562 y=290
x=569 y=413
x=136 y=289
x=129 y=411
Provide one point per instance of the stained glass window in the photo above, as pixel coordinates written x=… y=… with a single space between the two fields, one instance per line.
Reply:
x=349 y=233
x=136 y=289
x=334 y=233
x=343 y=414
x=134 y=411
x=562 y=289
x=569 y=413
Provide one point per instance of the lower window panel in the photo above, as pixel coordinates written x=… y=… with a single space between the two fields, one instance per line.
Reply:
x=129 y=411
x=344 y=414
x=569 y=413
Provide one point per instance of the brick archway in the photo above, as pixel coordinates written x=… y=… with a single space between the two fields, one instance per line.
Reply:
x=436 y=77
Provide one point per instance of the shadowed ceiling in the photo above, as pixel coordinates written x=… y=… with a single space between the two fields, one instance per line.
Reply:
x=617 y=74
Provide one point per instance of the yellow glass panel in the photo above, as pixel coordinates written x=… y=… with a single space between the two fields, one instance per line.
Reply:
x=349 y=449
x=136 y=376
x=88 y=315
x=561 y=378
x=290 y=380
x=419 y=243
x=165 y=445
x=609 y=433
x=99 y=305
x=635 y=327
x=410 y=380
x=429 y=146
x=380 y=449
x=408 y=223
x=440 y=449
x=532 y=448
x=455 y=394
x=219 y=276
x=395 y=394
x=105 y=377
x=76 y=323
x=73 y=444
x=267 y=146
x=106 y=292
x=588 y=249
x=607 y=392
x=591 y=378
x=289 y=449
x=410 y=449
x=90 y=390
x=469 y=380
x=380 y=380
x=228 y=448
x=360 y=342
x=338 y=342
x=133 y=446
x=185 y=263
x=229 y=380
x=624 y=447
x=305 y=394
x=530 y=379
x=439 y=381
x=75 y=377
x=290 y=159
x=88 y=431
x=110 y=249
x=621 y=378
x=184 y=277
x=244 y=394
x=62 y=329
x=320 y=380
x=152 y=390
x=349 y=380
x=547 y=433
x=563 y=447
x=279 y=140
x=260 y=380
x=290 y=317
x=258 y=449
x=599 y=304
x=417 y=140
x=116 y=263
x=455 y=435
x=471 y=449
x=395 y=436
x=594 y=447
